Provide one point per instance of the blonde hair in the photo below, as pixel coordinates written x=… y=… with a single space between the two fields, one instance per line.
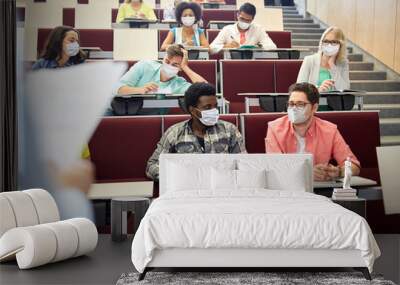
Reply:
x=339 y=35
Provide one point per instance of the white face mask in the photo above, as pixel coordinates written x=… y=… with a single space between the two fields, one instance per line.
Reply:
x=188 y=21
x=72 y=49
x=209 y=117
x=330 y=49
x=243 y=25
x=297 y=115
x=169 y=70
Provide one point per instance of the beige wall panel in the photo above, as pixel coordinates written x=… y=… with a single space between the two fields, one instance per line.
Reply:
x=270 y=19
x=135 y=44
x=93 y=16
x=384 y=31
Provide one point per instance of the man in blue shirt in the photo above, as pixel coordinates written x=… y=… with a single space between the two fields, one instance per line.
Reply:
x=155 y=77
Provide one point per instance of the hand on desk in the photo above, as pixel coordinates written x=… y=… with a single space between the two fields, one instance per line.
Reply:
x=326 y=85
x=189 y=43
x=149 y=87
x=326 y=172
x=232 y=44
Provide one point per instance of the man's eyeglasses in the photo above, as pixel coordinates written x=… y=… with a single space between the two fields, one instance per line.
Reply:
x=333 y=42
x=299 y=104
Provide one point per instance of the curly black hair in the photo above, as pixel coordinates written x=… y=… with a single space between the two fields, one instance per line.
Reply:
x=188 y=5
x=196 y=90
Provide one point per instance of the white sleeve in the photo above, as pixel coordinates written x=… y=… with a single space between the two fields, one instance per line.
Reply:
x=265 y=40
x=219 y=42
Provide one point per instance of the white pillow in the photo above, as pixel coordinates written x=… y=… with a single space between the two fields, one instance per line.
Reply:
x=282 y=174
x=226 y=179
x=251 y=178
x=190 y=176
x=223 y=179
x=183 y=177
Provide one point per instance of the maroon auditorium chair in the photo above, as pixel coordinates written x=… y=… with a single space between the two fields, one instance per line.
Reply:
x=114 y=13
x=159 y=13
x=162 y=34
x=121 y=146
x=217 y=15
x=69 y=17
x=286 y=72
x=245 y=76
x=282 y=39
x=103 y=38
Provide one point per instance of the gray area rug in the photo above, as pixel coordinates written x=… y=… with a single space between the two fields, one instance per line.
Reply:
x=243 y=278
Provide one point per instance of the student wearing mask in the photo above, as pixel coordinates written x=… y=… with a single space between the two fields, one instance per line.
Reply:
x=135 y=9
x=188 y=33
x=202 y=133
x=301 y=132
x=61 y=49
x=328 y=69
x=244 y=32
x=152 y=76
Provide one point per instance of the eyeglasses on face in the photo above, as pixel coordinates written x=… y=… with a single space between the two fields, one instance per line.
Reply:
x=298 y=104
x=332 y=42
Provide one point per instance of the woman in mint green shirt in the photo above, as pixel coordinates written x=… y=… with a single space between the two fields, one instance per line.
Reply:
x=328 y=69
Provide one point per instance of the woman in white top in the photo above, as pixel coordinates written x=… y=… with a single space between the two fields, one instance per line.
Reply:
x=328 y=69
x=188 y=15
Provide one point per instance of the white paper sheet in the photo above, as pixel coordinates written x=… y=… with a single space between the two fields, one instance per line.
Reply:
x=65 y=106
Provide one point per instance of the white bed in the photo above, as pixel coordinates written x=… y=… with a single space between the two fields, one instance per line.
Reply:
x=232 y=218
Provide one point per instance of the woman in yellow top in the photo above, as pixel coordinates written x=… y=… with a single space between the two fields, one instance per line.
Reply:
x=135 y=9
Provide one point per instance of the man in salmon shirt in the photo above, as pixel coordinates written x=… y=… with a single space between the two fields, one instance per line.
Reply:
x=302 y=132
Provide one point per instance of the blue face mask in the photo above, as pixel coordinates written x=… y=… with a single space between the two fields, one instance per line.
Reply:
x=72 y=49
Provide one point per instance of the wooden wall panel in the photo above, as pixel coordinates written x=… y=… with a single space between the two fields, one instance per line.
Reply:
x=397 y=46
x=384 y=31
x=365 y=29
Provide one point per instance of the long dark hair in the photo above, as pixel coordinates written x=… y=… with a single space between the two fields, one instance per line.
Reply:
x=54 y=45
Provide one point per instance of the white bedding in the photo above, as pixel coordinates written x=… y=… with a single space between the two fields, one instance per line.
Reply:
x=250 y=219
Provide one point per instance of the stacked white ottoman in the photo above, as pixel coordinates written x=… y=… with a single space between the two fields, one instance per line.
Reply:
x=31 y=230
